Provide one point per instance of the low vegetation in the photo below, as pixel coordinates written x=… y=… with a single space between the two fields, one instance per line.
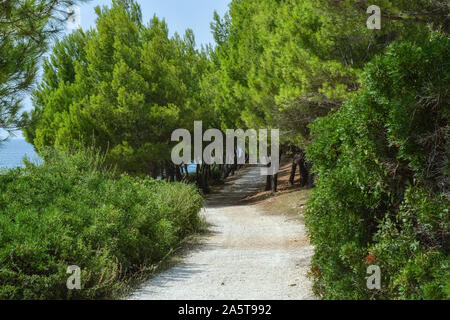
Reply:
x=70 y=211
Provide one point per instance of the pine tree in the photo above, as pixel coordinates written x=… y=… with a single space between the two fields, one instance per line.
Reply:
x=123 y=88
x=25 y=30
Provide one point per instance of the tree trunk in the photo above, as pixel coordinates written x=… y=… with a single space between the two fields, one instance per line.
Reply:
x=293 y=171
x=304 y=173
x=186 y=171
x=274 y=183
x=268 y=183
x=179 y=173
x=204 y=178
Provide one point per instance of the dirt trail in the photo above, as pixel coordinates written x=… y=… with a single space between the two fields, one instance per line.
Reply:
x=249 y=254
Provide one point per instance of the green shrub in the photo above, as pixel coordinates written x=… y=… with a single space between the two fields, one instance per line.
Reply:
x=382 y=191
x=70 y=211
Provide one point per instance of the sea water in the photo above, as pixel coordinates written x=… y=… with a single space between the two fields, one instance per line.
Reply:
x=13 y=151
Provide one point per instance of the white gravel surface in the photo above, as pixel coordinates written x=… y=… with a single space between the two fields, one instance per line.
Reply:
x=249 y=255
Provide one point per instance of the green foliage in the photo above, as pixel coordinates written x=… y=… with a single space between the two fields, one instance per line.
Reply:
x=123 y=87
x=284 y=63
x=383 y=187
x=25 y=30
x=72 y=211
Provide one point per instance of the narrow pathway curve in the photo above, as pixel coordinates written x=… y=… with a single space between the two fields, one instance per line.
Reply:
x=249 y=254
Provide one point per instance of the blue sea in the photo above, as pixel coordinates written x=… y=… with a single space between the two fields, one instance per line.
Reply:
x=13 y=151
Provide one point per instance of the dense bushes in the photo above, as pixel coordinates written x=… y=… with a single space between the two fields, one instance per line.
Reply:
x=382 y=193
x=70 y=212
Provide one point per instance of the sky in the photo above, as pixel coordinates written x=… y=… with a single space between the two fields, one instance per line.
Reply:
x=179 y=15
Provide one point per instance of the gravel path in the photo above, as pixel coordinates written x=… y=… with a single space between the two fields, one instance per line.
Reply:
x=249 y=255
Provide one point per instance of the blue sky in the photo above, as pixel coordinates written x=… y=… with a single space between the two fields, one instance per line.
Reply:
x=179 y=15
